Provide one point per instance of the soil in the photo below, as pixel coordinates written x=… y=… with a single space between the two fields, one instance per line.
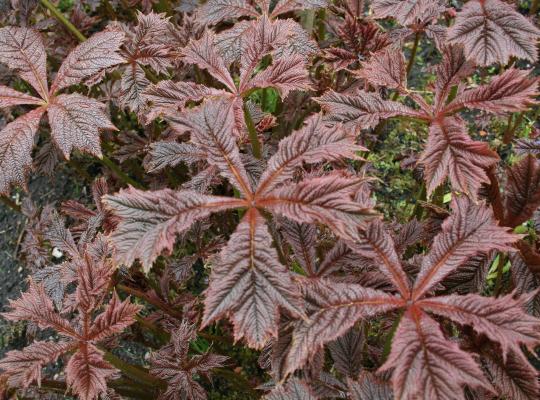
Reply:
x=42 y=191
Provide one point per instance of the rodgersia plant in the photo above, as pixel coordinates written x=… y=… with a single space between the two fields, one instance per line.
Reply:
x=240 y=242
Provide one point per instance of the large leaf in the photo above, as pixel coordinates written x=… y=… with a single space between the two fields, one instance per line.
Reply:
x=407 y=12
x=336 y=307
x=522 y=191
x=511 y=91
x=150 y=221
x=212 y=129
x=469 y=231
x=502 y=320
x=168 y=97
x=169 y=154
x=426 y=365
x=450 y=152
x=22 y=49
x=493 y=31
x=386 y=68
x=369 y=387
x=314 y=143
x=76 y=122
x=362 y=110
x=249 y=284
x=205 y=55
x=514 y=379
x=285 y=6
x=214 y=11
x=375 y=243
x=16 y=142
x=11 y=97
x=294 y=389
x=285 y=74
x=328 y=200
x=90 y=57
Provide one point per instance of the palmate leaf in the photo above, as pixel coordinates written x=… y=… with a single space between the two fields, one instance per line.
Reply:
x=328 y=199
x=511 y=91
x=469 y=231
x=407 y=12
x=502 y=320
x=214 y=11
x=426 y=365
x=450 y=152
x=205 y=55
x=250 y=284
x=386 y=68
x=294 y=389
x=375 y=243
x=522 y=195
x=11 y=97
x=16 y=143
x=150 y=221
x=361 y=110
x=314 y=142
x=336 y=308
x=86 y=371
x=285 y=6
x=22 y=50
x=515 y=379
x=493 y=31
x=369 y=387
x=285 y=74
x=75 y=120
x=89 y=58
x=211 y=127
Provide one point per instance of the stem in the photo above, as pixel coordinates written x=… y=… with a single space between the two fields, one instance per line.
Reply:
x=413 y=53
x=153 y=301
x=534 y=7
x=390 y=337
x=123 y=388
x=421 y=195
x=411 y=61
x=498 y=282
x=106 y=161
x=511 y=128
x=133 y=372
x=60 y=17
x=237 y=381
x=253 y=138
x=10 y=203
